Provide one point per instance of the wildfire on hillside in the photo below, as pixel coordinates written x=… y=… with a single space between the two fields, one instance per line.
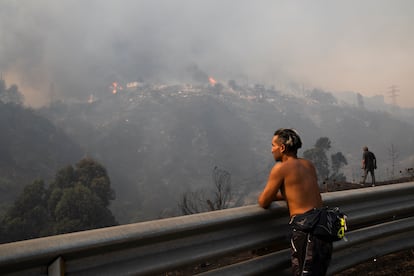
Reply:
x=212 y=81
x=115 y=87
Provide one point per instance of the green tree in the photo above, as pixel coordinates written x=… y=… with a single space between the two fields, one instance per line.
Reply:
x=319 y=158
x=79 y=209
x=65 y=178
x=77 y=199
x=94 y=176
x=323 y=143
x=338 y=160
x=28 y=218
x=80 y=196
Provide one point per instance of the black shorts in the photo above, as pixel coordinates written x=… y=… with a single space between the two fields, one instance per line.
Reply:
x=310 y=255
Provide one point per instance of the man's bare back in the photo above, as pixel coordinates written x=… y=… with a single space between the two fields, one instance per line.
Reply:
x=294 y=180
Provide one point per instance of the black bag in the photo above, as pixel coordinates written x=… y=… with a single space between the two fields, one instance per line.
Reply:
x=331 y=225
x=306 y=222
x=326 y=223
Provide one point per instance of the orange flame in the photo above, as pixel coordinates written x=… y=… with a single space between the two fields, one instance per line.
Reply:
x=115 y=87
x=212 y=81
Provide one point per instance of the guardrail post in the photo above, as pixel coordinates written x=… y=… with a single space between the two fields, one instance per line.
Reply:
x=57 y=267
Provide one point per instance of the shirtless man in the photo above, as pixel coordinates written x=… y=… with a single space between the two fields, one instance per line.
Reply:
x=294 y=180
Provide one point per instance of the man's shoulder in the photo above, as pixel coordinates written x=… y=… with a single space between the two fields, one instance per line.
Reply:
x=305 y=162
x=297 y=162
x=368 y=154
x=279 y=166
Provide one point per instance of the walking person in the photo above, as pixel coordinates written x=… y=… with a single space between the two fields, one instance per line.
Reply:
x=294 y=180
x=369 y=164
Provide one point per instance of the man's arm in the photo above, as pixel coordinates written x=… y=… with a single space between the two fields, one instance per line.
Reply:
x=272 y=190
x=363 y=161
x=279 y=195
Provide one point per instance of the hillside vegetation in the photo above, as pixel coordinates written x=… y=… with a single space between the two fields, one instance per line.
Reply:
x=159 y=142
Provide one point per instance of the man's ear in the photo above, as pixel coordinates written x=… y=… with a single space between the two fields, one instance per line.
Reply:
x=282 y=148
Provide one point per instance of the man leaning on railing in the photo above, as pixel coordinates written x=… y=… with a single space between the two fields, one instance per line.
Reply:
x=294 y=179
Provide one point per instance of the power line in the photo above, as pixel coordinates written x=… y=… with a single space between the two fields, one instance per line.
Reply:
x=393 y=89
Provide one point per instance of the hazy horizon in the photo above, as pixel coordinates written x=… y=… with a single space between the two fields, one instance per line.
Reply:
x=78 y=47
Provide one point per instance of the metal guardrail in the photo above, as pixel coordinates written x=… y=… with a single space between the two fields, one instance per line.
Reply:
x=380 y=221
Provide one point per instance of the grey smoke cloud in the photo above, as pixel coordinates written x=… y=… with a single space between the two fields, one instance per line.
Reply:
x=79 y=47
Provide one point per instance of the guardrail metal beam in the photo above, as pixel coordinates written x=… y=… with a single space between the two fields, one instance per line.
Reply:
x=381 y=215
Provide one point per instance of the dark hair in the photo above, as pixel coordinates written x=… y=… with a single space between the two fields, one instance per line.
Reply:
x=290 y=138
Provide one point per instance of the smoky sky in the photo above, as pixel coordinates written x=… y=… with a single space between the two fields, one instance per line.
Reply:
x=73 y=48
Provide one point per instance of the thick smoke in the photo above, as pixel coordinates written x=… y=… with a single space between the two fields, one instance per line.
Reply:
x=74 y=48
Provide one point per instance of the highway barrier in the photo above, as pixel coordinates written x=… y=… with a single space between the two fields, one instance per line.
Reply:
x=380 y=221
